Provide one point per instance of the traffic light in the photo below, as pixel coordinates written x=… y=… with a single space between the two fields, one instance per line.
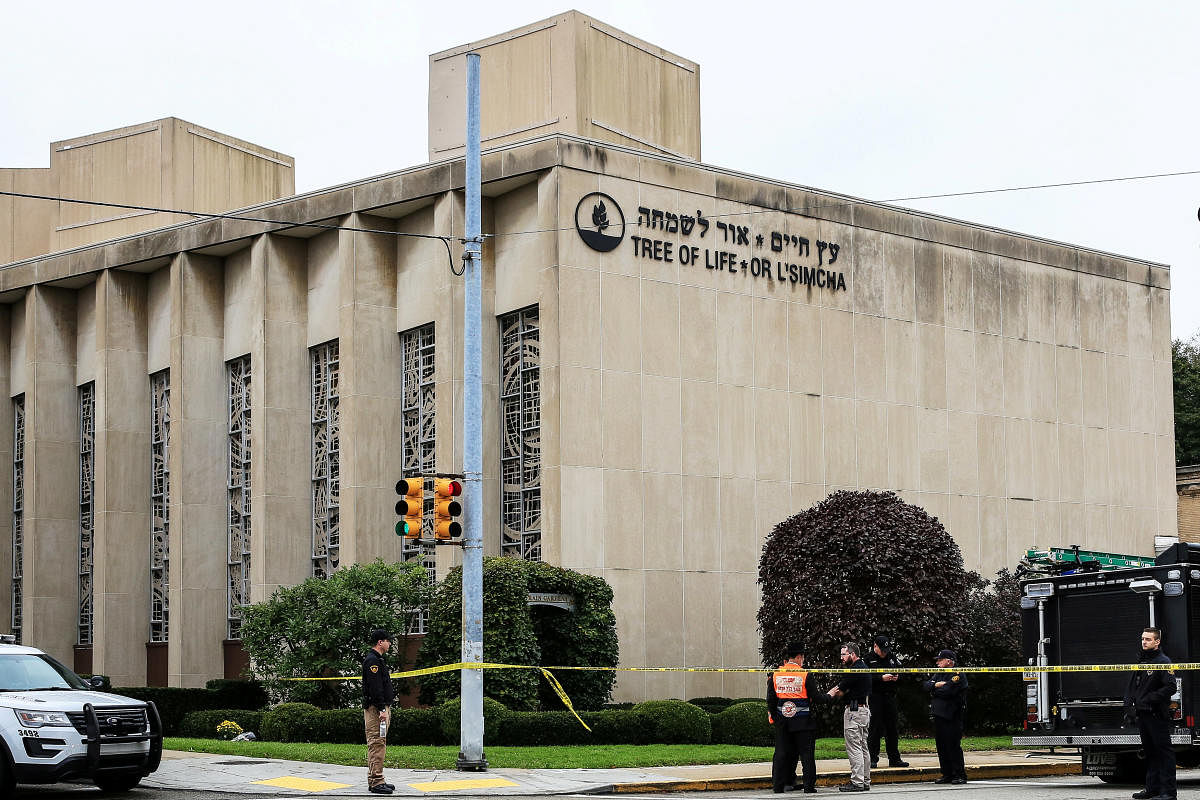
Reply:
x=446 y=508
x=410 y=507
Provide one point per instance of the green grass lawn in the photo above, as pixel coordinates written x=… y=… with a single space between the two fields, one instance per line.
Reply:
x=574 y=757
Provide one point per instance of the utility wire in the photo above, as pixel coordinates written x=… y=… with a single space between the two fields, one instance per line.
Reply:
x=842 y=203
x=284 y=224
x=447 y=239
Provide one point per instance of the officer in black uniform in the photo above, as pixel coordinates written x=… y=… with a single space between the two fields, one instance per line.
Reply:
x=1148 y=699
x=377 y=699
x=948 y=692
x=884 y=716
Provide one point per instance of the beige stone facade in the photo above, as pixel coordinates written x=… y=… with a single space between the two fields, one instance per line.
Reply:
x=745 y=348
x=1187 y=485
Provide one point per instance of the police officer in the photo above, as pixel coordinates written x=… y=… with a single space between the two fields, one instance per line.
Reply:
x=790 y=695
x=1148 y=699
x=854 y=689
x=377 y=698
x=884 y=716
x=948 y=692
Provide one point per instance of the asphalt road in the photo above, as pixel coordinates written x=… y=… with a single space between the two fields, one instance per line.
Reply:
x=1059 y=788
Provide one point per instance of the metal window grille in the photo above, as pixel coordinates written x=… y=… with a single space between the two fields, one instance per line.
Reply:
x=418 y=437
x=520 y=447
x=326 y=475
x=160 y=504
x=87 y=487
x=18 y=532
x=238 y=375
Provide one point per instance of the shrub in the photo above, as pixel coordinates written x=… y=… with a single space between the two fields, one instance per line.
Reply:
x=203 y=724
x=617 y=726
x=743 y=723
x=415 y=726
x=287 y=722
x=494 y=717
x=995 y=703
x=238 y=694
x=173 y=703
x=318 y=628
x=516 y=633
x=675 y=722
x=533 y=728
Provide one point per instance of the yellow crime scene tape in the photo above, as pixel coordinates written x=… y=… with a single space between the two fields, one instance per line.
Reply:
x=562 y=695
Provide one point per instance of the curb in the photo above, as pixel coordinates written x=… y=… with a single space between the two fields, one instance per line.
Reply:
x=908 y=775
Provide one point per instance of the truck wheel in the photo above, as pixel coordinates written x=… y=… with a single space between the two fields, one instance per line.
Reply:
x=118 y=783
x=1129 y=769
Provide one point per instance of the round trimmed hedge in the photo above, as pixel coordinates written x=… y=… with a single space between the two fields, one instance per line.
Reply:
x=675 y=722
x=745 y=724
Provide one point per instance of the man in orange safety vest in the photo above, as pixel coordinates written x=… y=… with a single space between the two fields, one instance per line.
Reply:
x=790 y=695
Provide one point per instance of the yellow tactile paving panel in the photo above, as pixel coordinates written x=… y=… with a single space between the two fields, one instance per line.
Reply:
x=475 y=783
x=303 y=784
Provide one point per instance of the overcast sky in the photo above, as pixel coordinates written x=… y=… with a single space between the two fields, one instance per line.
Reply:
x=880 y=100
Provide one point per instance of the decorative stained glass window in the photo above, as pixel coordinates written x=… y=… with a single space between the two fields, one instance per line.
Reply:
x=418 y=437
x=520 y=446
x=18 y=532
x=87 y=516
x=160 y=504
x=238 y=375
x=326 y=475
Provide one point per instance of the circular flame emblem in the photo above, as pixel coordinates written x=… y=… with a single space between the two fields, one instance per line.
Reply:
x=600 y=222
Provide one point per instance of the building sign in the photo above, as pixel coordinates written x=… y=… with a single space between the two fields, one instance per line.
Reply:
x=735 y=249
x=564 y=601
x=600 y=222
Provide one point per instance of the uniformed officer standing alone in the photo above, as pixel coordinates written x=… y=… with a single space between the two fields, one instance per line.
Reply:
x=1148 y=700
x=948 y=691
x=377 y=698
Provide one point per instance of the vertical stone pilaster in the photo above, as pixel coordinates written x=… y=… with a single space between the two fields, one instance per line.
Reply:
x=6 y=467
x=281 y=544
x=51 y=563
x=122 y=468
x=369 y=392
x=197 y=461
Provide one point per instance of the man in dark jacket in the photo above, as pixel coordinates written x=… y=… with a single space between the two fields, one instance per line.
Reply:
x=884 y=716
x=1148 y=698
x=790 y=696
x=377 y=698
x=948 y=692
x=855 y=690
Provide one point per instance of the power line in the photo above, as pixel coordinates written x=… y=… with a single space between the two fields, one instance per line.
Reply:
x=447 y=239
x=852 y=202
x=284 y=224
x=210 y=215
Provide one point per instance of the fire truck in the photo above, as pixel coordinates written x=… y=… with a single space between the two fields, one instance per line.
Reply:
x=1087 y=612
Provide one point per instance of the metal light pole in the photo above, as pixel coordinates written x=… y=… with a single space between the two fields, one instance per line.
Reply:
x=470 y=756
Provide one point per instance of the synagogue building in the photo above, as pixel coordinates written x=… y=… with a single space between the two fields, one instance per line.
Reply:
x=677 y=356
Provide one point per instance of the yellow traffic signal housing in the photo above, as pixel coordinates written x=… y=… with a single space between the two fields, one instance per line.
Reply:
x=411 y=506
x=446 y=508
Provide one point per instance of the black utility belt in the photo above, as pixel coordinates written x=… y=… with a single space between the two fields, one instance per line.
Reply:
x=854 y=704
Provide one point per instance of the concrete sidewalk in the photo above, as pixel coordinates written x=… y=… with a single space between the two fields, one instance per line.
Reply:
x=240 y=775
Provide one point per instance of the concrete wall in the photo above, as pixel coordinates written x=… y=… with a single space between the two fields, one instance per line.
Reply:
x=568 y=74
x=167 y=163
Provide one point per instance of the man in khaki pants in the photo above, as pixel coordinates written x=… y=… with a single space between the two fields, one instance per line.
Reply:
x=377 y=698
x=854 y=689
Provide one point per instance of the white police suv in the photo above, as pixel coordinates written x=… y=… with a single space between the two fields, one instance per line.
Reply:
x=55 y=726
